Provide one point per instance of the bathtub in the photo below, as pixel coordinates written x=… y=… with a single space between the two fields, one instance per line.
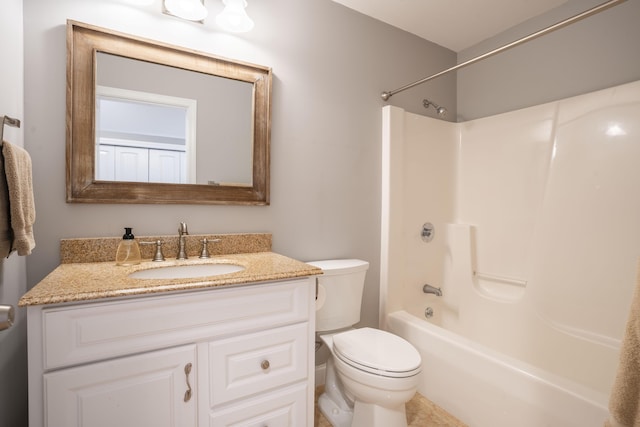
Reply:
x=534 y=244
x=484 y=388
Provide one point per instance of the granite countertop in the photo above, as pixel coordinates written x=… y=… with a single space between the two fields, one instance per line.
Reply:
x=71 y=282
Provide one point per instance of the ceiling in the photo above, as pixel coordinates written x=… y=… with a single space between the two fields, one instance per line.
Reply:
x=454 y=24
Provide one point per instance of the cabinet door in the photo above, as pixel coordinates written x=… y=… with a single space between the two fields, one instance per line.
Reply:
x=166 y=166
x=144 y=390
x=106 y=163
x=132 y=164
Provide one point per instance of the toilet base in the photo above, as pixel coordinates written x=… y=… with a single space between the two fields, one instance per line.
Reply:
x=363 y=414
x=333 y=404
x=336 y=414
x=341 y=410
x=368 y=414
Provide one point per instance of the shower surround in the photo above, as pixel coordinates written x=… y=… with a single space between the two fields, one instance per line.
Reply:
x=537 y=235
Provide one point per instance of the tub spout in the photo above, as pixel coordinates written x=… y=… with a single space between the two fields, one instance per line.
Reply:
x=428 y=289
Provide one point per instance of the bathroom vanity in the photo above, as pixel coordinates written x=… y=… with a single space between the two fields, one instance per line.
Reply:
x=234 y=349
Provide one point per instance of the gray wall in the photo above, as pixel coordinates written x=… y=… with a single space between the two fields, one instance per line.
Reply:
x=595 y=53
x=13 y=273
x=330 y=65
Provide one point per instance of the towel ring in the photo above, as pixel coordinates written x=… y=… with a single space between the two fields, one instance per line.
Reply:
x=6 y=120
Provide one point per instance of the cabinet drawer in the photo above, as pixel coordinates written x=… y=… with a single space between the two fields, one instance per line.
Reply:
x=284 y=408
x=96 y=331
x=253 y=363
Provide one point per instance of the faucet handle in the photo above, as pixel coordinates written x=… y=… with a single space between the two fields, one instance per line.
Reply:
x=159 y=256
x=205 y=248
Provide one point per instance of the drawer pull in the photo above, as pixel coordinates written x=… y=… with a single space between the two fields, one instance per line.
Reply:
x=265 y=364
x=187 y=371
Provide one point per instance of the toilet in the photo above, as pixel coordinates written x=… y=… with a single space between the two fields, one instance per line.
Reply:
x=371 y=373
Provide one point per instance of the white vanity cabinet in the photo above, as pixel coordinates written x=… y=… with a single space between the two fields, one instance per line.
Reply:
x=229 y=356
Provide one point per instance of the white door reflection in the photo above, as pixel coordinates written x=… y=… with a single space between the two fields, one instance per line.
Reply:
x=144 y=137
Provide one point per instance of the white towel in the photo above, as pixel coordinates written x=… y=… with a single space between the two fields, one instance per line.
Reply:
x=624 y=403
x=17 y=213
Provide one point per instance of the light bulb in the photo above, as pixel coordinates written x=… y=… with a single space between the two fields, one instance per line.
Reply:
x=234 y=18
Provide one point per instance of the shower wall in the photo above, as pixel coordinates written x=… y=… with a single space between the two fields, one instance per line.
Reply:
x=419 y=159
x=536 y=227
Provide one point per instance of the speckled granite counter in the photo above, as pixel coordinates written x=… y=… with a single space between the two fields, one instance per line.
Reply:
x=83 y=281
x=90 y=281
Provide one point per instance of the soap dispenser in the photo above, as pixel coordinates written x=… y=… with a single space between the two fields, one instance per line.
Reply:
x=128 y=250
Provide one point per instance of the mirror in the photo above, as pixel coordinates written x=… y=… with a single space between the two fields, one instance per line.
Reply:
x=152 y=123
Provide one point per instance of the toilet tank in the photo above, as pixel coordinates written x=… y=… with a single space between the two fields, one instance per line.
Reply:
x=339 y=293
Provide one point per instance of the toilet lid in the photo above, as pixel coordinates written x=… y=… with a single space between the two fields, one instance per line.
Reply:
x=377 y=352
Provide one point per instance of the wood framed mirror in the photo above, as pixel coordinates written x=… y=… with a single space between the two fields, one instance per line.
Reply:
x=231 y=128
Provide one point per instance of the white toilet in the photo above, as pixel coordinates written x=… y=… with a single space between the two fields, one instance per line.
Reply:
x=371 y=373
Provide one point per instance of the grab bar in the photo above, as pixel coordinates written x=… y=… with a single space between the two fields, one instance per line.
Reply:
x=503 y=279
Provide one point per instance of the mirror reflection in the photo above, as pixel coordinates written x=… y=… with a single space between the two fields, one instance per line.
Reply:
x=143 y=141
x=151 y=120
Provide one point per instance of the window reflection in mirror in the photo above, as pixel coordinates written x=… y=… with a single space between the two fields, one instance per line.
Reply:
x=144 y=137
x=218 y=125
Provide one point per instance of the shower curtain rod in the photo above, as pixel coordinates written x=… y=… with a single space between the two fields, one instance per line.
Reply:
x=386 y=95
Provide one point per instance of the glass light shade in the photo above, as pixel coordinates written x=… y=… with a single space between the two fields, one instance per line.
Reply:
x=192 y=10
x=139 y=2
x=234 y=18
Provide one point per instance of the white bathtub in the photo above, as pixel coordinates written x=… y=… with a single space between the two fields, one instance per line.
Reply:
x=483 y=388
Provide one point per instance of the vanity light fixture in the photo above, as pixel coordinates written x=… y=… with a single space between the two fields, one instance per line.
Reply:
x=234 y=17
x=139 y=2
x=191 y=10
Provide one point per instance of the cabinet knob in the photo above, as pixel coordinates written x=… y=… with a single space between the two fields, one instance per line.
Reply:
x=265 y=364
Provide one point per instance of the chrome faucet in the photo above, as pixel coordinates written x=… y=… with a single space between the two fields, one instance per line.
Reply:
x=182 y=232
x=428 y=289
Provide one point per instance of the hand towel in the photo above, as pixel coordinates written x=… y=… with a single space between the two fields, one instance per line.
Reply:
x=16 y=194
x=624 y=402
x=6 y=235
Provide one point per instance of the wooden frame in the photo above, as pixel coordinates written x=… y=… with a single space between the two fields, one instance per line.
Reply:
x=83 y=43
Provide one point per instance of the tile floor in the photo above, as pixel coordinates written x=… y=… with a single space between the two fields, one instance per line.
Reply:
x=421 y=412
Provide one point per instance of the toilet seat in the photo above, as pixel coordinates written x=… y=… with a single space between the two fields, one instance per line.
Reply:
x=377 y=352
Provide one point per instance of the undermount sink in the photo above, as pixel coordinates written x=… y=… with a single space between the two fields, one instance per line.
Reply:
x=187 y=271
